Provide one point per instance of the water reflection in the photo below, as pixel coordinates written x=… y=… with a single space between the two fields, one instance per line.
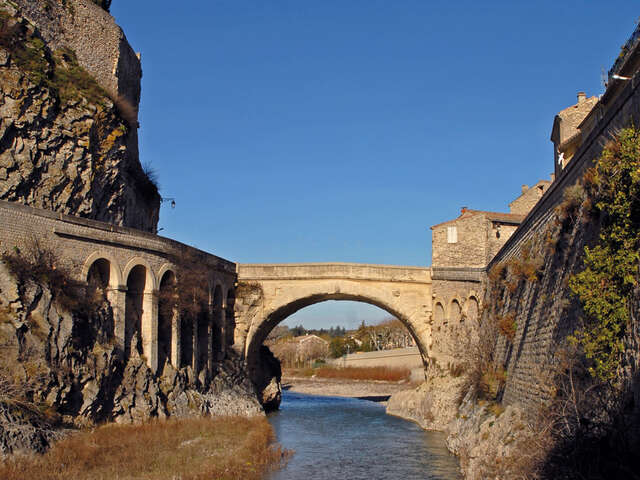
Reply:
x=342 y=437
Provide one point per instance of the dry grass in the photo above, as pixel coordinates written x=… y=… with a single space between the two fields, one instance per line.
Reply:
x=200 y=448
x=365 y=373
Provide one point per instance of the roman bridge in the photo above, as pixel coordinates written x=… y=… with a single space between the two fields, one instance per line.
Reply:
x=269 y=293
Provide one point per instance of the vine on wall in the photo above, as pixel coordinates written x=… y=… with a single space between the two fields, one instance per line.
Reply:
x=606 y=285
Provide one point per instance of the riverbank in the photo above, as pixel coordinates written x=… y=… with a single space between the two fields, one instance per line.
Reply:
x=375 y=390
x=205 y=447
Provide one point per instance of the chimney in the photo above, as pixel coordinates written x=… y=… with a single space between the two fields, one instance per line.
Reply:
x=463 y=210
x=581 y=97
x=525 y=188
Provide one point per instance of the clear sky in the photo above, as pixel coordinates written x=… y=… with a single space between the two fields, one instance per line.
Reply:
x=340 y=130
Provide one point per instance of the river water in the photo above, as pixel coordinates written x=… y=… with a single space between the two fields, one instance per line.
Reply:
x=345 y=438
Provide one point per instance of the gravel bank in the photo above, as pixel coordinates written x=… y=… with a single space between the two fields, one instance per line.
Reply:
x=366 y=389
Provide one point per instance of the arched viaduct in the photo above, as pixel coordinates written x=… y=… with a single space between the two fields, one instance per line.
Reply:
x=133 y=268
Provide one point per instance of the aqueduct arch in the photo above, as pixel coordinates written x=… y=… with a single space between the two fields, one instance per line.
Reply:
x=267 y=294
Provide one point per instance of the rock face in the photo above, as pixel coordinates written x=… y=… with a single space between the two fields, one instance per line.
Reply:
x=67 y=366
x=69 y=94
x=432 y=405
x=492 y=444
x=267 y=380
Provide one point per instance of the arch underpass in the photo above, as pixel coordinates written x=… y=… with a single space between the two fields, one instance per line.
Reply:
x=269 y=293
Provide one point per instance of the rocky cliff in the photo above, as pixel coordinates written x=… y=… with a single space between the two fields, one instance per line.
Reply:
x=62 y=369
x=69 y=94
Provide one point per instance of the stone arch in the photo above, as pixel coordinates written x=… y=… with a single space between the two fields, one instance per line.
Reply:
x=167 y=318
x=141 y=316
x=218 y=330
x=202 y=331
x=439 y=318
x=150 y=279
x=455 y=311
x=186 y=342
x=472 y=309
x=260 y=327
x=115 y=275
x=134 y=309
x=229 y=317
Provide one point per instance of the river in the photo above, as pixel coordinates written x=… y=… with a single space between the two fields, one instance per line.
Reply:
x=336 y=438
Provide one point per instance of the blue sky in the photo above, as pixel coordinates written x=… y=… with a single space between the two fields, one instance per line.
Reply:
x=314 y=131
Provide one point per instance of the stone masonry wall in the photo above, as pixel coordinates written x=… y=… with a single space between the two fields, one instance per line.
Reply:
x=470 y=248
x=545 y=314
x=75 y=239
x=530 y=196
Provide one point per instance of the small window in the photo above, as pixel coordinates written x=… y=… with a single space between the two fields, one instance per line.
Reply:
x=452 y=234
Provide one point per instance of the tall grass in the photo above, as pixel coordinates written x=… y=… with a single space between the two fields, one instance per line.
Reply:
x=199 y=448
x=385 y=374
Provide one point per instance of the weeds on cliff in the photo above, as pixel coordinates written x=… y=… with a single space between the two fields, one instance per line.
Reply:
x=145 y=179
x=104 y=4
x=126 y=110
x=71 y=81
x=507 y=325
x=568 y=211
x=198 y=448
x=527 y=265
x=27 y=50
x=40 y=265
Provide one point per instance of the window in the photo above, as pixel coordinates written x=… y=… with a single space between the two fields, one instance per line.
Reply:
x=452 y=234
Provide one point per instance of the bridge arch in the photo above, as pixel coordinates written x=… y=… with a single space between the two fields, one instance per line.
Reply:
x=141 y=310
x=168 y=318
x=274 y=318
x=101 y=260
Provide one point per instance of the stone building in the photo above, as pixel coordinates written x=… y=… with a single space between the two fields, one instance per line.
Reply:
x=461 y=250
x=568 y=130
x=529 y=197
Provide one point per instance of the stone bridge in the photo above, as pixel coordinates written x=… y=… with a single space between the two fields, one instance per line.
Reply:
x=269 y=293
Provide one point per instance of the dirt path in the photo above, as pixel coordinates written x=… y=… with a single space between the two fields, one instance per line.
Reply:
x=366 y=389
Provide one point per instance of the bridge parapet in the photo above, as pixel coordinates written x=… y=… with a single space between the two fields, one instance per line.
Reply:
x=351 y=271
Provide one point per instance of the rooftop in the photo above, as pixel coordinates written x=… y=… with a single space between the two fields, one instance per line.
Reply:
x=512 y=218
